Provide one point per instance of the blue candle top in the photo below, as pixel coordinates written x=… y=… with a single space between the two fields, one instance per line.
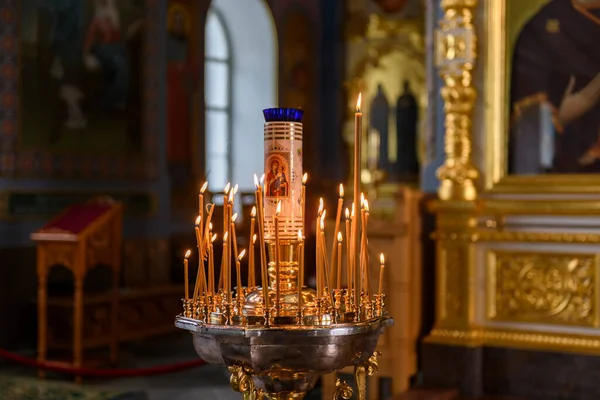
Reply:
x=283 y=114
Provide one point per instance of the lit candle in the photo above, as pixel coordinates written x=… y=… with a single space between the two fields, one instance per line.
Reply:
x=211 y=264
x=200 y=286
x=319 y=257
x=199 y=245
x=261 y=231
x=351 y=247
x=277 y=264
x=339 y=261
x=225 y=269
x=234 y=236
x=251 y=251
x=300 y=268
x=356 y=222
x=207 y=223
x=251 y=268
x=225 y=203
x=304 y=179
x=238 y=272
x=185 y=274
x=363 y=260
x=230 y=265
x=348 y=250
x=382 y=262
x=366 y=250
x=337 y=227
x=325 y=272
x=201 y=202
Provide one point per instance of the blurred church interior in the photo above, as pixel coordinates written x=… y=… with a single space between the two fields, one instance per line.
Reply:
x=480 y=159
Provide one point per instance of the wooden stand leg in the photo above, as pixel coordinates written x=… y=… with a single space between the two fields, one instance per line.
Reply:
x=42 y=316
x=78 y=326
x=114 y=320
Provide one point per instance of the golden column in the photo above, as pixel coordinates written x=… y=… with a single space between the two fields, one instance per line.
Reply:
x=456 y=55
x=456 y=222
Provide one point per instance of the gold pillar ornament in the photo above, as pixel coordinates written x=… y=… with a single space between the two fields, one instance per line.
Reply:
x=455 y=58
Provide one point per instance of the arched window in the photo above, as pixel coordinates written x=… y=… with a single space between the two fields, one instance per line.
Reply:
x=217 y=84
x=240 y=81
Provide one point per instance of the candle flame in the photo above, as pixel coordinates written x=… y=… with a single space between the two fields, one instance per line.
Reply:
x=366 y=205
x=233 y=217
x=322 y=225
x=225 y=237
x=231 y=196
x=358 y=101
x=340 y=237
x=187 y=254
x=304 y=178
x=253 y=212
x=204 y=186
x=347 y=213
x=242 y=254
x=381 y=259
x=214 y=237
x=256 y=182
x=210 y=226
x=254 y=238
x=198 y=220
x=320 y=206
x=235 y=189
x=341 y=190
x=226 y=190
x=262 y=179
x=362 y=200
x=278 y=210
x=323 y=215
x=300 y=235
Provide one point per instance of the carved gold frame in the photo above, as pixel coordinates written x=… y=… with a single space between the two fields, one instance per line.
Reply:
x=495 y=96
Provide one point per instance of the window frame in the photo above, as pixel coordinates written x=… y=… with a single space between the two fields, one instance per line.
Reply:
x=228 y=109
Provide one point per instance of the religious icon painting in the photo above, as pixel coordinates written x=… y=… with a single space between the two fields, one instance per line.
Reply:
x=548 y=99
x=83 y=87
x=277 y=175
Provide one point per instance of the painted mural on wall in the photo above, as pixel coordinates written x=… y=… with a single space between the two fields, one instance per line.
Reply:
x=84 y=104
x=80 y=63
x=181 y=87
x=554 y=87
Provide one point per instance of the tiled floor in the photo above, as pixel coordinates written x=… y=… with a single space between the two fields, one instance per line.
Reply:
x=202 y=383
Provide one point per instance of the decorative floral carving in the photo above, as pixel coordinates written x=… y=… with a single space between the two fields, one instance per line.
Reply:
x=549 y=288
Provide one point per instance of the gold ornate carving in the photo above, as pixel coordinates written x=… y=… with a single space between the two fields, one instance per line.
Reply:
x=518 y=236
x=361 y=371
x=241 y=381
x=342 y=390
x=456 y=56
x=456 y=229
x=542 y=287
x=512 y=338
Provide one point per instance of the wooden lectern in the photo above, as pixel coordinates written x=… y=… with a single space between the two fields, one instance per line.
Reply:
x=83 y=236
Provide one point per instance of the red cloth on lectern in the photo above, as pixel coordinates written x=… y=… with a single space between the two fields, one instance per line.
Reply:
x=78 y=217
